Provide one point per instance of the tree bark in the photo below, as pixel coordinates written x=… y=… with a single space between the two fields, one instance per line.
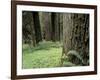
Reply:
x=37 y=27
x=76 y=35
x=56 y=26
x=28 y=28
x=45 y=21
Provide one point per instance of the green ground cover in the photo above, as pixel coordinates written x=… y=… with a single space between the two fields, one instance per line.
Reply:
x=44 y=55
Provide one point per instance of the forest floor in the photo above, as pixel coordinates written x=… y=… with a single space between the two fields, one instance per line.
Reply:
x=46 y=54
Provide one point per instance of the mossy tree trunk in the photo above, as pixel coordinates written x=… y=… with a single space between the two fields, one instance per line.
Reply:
x=76 y=35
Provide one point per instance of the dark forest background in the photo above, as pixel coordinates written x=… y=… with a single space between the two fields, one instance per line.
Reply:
x=55 y=39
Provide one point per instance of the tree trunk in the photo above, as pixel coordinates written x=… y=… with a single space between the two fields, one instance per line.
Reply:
x=28 y=28
x=76 y=35
x=56 y=26
x=61 y=26
x=45 y=21
x=37 y=27
x=32 y=31
x=67 y=32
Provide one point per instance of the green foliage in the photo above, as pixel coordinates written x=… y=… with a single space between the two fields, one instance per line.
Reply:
x=44 y=55
x=65 y=62
x=75 y=57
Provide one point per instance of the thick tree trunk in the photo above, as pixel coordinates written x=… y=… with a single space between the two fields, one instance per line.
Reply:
x=53 y=26
x=45 y=21
x=28 y=28
x=37 y=27
x=47 y=26
x=61 y=26
x=56 y=26
x=76 y=35
x=80 y=40
x=50 y=25
x=67 y=32
x=32 y=31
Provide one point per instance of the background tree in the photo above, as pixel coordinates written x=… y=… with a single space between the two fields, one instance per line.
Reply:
x=56 y=26
x=45 y=21
x=37 y=27
x=28 y=28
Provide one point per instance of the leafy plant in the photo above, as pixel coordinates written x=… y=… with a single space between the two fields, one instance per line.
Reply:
x=75 y=57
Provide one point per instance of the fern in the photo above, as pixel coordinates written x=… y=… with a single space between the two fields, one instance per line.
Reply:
x=76 y=55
